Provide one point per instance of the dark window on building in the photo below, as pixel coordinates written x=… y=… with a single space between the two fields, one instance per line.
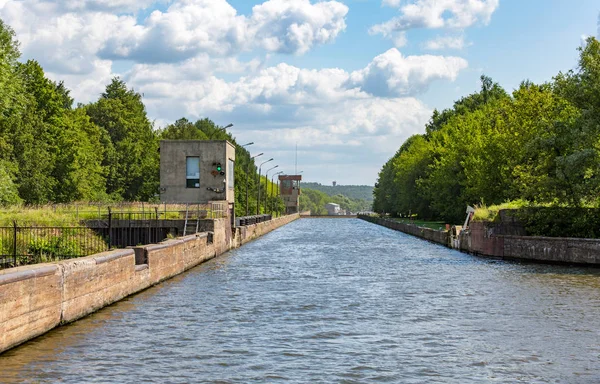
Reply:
x=192 y=165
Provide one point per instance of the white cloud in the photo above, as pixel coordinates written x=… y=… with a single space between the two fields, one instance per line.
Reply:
x=68 y=35
x=190 y=27
x=194 y=59
x=435 y=14
x=392 y=74
x=445 y=42
x=391 y=3
x=295 y=26
x=195 y=88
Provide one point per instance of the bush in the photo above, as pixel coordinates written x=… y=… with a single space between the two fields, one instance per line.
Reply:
x=560 y=222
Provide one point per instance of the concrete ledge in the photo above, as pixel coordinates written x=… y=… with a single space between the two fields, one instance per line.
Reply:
x=12 y=277
x=34 y=299
x=479 y=240
x=113 y=255
x=435 y=236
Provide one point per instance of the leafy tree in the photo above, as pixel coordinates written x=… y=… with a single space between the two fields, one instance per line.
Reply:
x=182 y=129
x=9 y=195
x=131 y=157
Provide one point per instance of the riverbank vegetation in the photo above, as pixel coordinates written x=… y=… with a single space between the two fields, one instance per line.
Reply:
x=104 y=151
x=357 y=192
x=539 y=145
x=314 y=201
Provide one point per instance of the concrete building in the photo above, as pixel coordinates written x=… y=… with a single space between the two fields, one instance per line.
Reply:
x=333 y=209
x=197 y=171
x=289 y=188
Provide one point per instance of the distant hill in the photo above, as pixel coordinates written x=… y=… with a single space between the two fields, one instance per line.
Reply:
x=360 y=192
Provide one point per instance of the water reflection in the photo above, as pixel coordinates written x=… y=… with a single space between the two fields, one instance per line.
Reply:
x=336 y=301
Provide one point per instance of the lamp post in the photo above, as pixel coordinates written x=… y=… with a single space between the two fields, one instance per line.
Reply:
x=220 y=129
x=267 y=185
x=278 y=173
x=258 y=187
x=260 y=154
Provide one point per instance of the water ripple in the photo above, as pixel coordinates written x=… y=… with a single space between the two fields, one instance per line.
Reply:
x=335 y=301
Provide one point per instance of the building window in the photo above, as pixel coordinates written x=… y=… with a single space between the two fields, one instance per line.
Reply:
x=230 y=173
x=192 y=165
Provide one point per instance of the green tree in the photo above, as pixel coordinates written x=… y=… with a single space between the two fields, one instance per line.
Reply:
x=182 y=129
x=131 y=157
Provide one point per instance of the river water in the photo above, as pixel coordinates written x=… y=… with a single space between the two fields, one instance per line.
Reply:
x=335 y=301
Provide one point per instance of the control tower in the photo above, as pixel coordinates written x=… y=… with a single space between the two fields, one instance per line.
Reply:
x=289 y=188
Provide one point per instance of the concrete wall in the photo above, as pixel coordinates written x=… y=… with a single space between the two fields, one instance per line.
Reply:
x=173 y=154
x=251 y=232
x=34 y=299
x=440 y=237
x=481 y=239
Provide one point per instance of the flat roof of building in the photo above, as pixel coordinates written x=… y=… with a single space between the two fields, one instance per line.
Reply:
x=290 y=177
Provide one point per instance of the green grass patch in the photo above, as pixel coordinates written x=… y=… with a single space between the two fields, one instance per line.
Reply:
x=485 y=213
x=437 y=225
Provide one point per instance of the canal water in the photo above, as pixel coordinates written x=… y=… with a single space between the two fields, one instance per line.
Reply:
x=335 y=301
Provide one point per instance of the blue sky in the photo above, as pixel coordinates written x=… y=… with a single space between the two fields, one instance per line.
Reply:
x=345 y=81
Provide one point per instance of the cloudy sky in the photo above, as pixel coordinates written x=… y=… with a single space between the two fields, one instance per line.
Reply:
x=344 y=81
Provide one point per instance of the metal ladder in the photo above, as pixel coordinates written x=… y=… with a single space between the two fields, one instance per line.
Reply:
x=186 y=226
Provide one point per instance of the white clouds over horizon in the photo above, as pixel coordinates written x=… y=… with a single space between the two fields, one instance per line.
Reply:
x=435 y=14
x=202 y=58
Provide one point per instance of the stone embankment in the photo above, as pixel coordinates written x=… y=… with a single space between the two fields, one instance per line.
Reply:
x=35 y=299
x=487 y=239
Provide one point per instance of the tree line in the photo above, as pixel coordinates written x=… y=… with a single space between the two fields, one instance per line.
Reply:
x=314 y=201
x=107 y=150
x=539 y=145
x=358 y=192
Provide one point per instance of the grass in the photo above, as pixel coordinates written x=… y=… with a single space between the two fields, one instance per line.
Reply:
x=485 y=213
x=69 y=215
x=437 y=225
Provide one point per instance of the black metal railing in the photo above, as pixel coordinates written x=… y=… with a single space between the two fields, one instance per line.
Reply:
x=25 y=245
x=249 y=220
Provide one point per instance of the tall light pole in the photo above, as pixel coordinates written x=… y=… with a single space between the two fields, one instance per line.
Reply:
x=267 y=185
x=220 y=129
x=252 y=158
x=258 y=187
x=278 y=173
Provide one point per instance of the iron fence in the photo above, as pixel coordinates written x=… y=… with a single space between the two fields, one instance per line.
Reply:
x=98 y=230
x=24 y=245
x=141 y=211
x=249 y=220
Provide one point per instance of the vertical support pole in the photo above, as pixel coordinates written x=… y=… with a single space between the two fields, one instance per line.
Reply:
x=155 y=239
x=246 y=189
x=15 y=242
x=109 y=228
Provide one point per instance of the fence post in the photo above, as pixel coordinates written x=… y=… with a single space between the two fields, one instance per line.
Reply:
x=15 y=242
x=109 y=228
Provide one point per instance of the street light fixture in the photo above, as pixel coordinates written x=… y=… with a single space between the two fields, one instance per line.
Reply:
x=258 y=187
x=250 y=143
x=253 y=157
x=267 y=185
x=275 y=174
x=220 y=129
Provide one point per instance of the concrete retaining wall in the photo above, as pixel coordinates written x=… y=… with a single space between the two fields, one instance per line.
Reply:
x=436 y=236
x=480 y=239
x=34 y=299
